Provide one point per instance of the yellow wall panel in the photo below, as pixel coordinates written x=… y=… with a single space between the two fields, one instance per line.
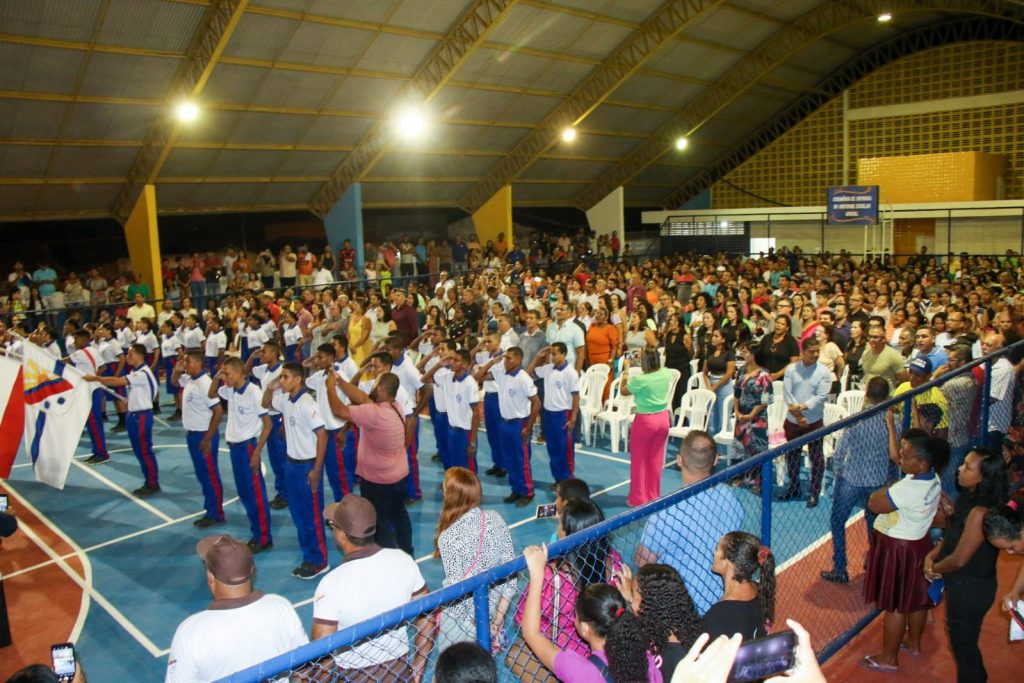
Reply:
x=495 y=217
x=920 y=178
x=140 y=230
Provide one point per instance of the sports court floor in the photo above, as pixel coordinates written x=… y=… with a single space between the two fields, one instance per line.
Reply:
x=116 y=574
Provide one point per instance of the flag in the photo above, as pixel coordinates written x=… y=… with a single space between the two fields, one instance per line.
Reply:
x=57 y=403
x=12 y=413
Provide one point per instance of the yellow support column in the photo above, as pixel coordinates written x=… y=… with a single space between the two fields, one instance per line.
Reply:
x=495 y=217
x=140 y=231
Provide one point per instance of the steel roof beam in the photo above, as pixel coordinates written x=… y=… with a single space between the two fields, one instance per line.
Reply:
x=213 y=33
x=672 y=18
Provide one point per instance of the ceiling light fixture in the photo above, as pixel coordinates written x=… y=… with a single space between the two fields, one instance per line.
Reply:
x=411 y=123
x=884 y=17
x=187 y=112
x=569 y=134
x=682 y=143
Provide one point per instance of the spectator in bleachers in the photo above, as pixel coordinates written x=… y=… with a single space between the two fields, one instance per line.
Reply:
x=702 y=519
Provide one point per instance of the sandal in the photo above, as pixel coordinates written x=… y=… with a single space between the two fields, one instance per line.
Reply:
x=868 y=662
x=909 y=653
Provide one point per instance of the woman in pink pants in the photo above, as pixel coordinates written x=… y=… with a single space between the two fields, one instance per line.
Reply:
x=649 y=433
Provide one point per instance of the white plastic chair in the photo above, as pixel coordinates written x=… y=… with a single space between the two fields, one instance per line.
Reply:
x=778 y=386
x=694 y=412
x=591 y=392
x=675 y=375
x=727 y=437
x=851 y=401
x=618 y=414
x=833 y=413
x=844 y=379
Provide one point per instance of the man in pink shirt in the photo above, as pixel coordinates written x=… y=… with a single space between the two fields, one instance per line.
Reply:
x=380 y=457
x=305 y=321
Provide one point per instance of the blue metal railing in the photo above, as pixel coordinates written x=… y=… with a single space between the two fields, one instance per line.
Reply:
x=477 y=586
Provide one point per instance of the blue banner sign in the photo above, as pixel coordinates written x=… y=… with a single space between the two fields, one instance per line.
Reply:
x=853 y=205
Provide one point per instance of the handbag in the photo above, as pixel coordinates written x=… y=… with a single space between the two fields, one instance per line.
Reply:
x=521 y=660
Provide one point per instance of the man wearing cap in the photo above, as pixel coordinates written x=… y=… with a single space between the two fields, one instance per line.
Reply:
x=240 y=628
x=370 y=581
x=930 y=409
x=381 y=461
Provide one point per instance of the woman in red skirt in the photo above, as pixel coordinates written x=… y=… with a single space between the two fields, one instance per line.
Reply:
x=895 y=580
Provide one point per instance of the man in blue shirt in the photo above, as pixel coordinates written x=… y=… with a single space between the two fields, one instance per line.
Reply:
x=686 y=535
x=805 y=388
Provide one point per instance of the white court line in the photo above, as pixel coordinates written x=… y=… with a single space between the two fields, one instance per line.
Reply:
x=123 y=491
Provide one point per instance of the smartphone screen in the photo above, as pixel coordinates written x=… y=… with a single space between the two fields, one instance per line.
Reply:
x=548 y=510
x=3 y=502
x=764 y=657
x=63 y=655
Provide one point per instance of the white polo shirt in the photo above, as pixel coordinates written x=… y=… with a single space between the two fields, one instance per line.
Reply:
x=266 y=375
x=360 y=589
x=169 y=345
x=110 y=351
x=232 y=635
x=215 y=343
x=191 y=338
x=125 y=337
x=148 y=339
x=509 y=339
x=440 y=401
x=269 y=328
x=245 y=410
x=292 y=335
x=302 y=421
x=461 y=396
x=559 y=385
x=86 y=361
x=408 y=376
x=255 y=338
x=142 y=388
x=402 y=397
x=514 y=391
x=346 y=367
x=916 y=498
x=196 y=404
x=482 y=359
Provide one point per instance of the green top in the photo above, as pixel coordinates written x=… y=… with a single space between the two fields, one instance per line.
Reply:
x=649 y=390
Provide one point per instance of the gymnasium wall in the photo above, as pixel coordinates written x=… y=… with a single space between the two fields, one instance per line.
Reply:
x=797 y=168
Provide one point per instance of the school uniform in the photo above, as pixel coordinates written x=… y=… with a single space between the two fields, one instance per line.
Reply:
x=492 y=415
x=149 y=340
x=142 y=391
x=409 y=379
x=276 y=450
x=514 y=393
x=245 y=413
x=306 y=506
x=87 y=361
x=461 y=397
x=438 y=415
x=191 y=339
x=169 y=345
x=216 y=342
x=111 y=354
x=254 y=339
x=196 y=413
x=560 y=383
x=292 y=336
x=341 y=474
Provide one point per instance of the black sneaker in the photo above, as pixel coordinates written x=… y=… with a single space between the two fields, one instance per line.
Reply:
x=257 y=548
x=497 y=472
x=145 y=491
x=97 y=460
x=511 y=498
x=523 y=501
x=206 y=522
x=279 y=502
x=812 y=501
x=176 y=415
x=118 y=428
x=835 y=576
x=307 y=571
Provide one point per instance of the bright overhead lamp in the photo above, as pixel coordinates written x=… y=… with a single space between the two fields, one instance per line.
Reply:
x=884 y=17
x=569 y=134
x=682 y=143
x=187 y=112
x=411 y=123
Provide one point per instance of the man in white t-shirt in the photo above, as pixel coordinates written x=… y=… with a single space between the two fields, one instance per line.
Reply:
x=240 y=628
x=370 y=581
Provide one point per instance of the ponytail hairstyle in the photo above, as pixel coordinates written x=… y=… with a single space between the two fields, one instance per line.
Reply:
x=749 y=557
x=666 y=608
x=604 y=609
x=1004 y=525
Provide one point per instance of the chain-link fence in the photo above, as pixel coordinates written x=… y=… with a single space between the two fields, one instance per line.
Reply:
x=767 y=496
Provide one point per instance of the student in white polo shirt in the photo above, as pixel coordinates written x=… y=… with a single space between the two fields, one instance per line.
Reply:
x=201 y=415
x=142 y=390
x=86 y=359
x=306 y=441
x=561 y=406
x=253 y=336
x=170 y=347
x=246 y=418
x=112 y=363
x=459 y=387
x=334 y=461
x=489 y=349
x=215 y=345
x=519 y=405
x=435 y=399
x=191 y=334
x=370 y=581
x=265 y=373
x=240 y=628
x=410 y=380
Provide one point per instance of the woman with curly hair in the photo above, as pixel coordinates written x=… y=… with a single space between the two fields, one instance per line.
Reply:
x=668 y=617
x=617 y=646
x=747 y=606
